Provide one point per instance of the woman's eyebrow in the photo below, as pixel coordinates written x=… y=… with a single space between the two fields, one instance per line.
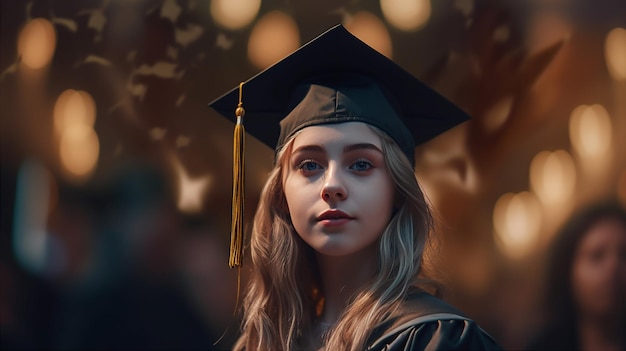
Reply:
x=347 y=148
x=312 y=147
x=361 y=146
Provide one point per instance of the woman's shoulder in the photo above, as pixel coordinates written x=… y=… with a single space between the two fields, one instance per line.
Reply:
x=426 y=322
x=421 y=303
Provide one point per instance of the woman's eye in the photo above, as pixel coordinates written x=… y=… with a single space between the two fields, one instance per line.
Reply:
x=596 y=255
x=362 y=166
x=308 y=166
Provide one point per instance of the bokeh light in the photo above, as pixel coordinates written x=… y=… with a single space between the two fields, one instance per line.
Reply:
x=371 y=30
x=590 y=131
x=517 y=221
x=406 y=15
x=79 y=148
x=74 y=107
x=36 y=43
x=234 y=14
x=553 y=176
x=615 y=52
x=273 y=37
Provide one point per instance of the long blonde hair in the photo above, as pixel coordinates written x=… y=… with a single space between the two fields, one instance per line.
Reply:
x=283 y=294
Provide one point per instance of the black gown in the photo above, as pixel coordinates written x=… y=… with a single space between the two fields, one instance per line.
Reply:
x=428 y=323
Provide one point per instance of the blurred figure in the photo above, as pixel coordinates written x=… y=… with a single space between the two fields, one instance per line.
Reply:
x=133 y=297
x=209 y=284
x=586 y=283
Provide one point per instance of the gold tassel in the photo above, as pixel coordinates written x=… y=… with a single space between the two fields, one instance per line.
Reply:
x=236 y=229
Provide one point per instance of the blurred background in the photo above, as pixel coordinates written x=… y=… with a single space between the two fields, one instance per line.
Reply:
x=116 y=175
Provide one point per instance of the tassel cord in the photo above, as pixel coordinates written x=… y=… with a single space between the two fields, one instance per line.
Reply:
x=237 y=230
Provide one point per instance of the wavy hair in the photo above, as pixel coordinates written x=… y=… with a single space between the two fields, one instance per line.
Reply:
x=283 y=296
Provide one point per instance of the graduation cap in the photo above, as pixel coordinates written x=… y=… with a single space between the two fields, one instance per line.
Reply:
x=334 y=78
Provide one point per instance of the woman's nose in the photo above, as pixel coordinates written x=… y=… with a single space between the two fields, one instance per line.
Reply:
x=334 y=188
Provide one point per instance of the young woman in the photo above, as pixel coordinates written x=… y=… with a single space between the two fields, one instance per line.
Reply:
x=339 y=234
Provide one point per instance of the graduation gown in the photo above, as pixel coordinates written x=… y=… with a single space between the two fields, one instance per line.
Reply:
x=428 y=323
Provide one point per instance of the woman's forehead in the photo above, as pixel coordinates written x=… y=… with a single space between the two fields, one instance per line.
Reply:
x=337 y=134
x=605 y=231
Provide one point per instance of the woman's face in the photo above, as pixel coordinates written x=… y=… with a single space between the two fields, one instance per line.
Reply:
x=599 y=270
x=338 y=188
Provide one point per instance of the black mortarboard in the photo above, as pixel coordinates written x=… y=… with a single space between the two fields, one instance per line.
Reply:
x=338 y=78
x=387 y=97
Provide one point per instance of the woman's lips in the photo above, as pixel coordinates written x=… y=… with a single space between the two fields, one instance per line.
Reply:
x=334 y=218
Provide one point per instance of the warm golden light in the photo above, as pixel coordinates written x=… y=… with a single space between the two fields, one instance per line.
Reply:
x=74 y=118
x=517 y=221
x=553 y=176
x=590 y=131
x=371 y=30
x=234 y=14
x=615 y=53
x=36 y=43
x=74 y=107
x=406 y=15
x=191 y=190
x=79 y=149
x=273 y=37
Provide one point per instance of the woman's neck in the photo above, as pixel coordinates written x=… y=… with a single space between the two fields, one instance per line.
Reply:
x=342 y=277
x=601 y=334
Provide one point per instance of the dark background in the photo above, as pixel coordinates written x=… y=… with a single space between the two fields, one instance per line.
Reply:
x=132 y=254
